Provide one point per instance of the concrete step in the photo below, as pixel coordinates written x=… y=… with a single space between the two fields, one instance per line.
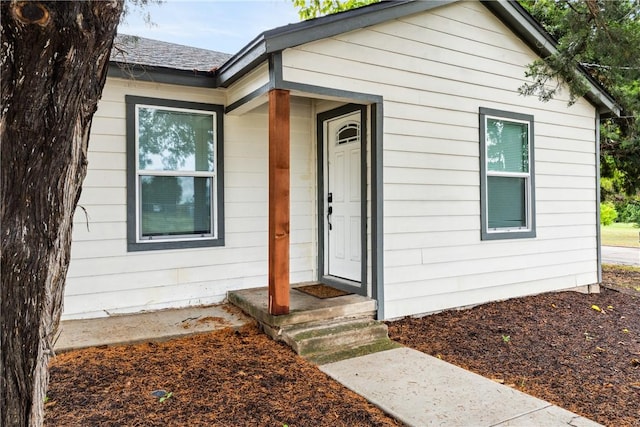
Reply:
x=320 y=330
x=304 y=308
x=338 y=354
x=330 y=341
x=315 y=337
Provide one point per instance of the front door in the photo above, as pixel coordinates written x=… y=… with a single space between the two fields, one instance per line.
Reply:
x=343 y=232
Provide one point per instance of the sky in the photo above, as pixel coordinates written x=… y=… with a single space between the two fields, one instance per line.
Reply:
x=220 y=25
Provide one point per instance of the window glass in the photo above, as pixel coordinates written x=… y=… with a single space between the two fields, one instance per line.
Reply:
x=175 y=140
x=506 y=202
x=174 y=206
x=507 y=146
x=348 y=133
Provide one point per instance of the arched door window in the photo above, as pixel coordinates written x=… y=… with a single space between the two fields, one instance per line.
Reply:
x=350 y=132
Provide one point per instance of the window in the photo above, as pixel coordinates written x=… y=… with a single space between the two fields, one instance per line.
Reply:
x=507 y=175
x=348 y=133
x=174 y=174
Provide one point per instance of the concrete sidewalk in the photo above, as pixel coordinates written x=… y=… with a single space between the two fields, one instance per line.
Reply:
x=421 y=390
x=411 y=386
x=621 y=255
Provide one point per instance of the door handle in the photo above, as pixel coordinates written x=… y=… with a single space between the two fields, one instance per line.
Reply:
x=329 y=212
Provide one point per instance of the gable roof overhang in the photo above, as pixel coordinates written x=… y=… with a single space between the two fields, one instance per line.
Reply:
x=281 y=38
x=508 y=11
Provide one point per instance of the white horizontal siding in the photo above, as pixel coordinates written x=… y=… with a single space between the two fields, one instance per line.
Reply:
x=104 y=278
x=434 y=71
x=504 y=267
x=485 y=285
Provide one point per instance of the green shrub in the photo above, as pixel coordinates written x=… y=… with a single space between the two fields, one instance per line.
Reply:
x=608 y=213
x=630 y=212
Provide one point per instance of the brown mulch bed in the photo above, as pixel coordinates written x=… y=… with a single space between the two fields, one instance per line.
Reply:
x=580 y=352
x=217 y=379
x=556 y=346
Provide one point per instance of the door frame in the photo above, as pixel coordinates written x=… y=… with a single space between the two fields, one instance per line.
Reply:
x=323 y=277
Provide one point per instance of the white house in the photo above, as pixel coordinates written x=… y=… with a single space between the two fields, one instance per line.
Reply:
x=405 y=166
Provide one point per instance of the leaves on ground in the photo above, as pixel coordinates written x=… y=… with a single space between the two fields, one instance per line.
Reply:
x=221 y=378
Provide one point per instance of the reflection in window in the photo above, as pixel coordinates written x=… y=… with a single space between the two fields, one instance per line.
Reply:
x=174 y=206
x=507 y=146
x=175 y=140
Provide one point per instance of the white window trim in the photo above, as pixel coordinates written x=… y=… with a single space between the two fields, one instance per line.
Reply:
x=213 y=203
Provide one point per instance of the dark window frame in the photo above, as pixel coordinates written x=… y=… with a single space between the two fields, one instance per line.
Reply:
x=133 y=242
x=506 y=233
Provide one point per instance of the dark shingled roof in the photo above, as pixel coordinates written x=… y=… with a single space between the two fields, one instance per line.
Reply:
x=141 y=51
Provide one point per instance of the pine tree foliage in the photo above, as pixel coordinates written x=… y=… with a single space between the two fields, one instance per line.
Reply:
x=603 y=37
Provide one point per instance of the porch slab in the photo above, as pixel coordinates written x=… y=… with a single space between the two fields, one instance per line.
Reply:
x=304 y=308
x=151 y=326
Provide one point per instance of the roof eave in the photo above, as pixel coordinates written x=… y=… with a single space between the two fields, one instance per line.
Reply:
x=529 y=30
x=168 y=75
x=242 y=62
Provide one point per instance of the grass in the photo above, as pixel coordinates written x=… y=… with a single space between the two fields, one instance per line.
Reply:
x=620 y=234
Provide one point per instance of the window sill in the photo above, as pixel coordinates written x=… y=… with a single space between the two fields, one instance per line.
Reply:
x=503 y=235
x=173 y=244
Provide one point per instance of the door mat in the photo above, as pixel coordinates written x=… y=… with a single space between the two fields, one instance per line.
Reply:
x=322 y=291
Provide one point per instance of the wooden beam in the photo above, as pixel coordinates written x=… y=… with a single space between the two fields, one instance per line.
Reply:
x=279 y=188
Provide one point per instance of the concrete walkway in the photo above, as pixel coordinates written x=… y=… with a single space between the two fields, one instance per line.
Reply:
x=411 y=386
x=421 y=390
x=621 y=255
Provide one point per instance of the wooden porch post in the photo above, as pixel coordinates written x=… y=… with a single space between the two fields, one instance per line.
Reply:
x=279 y=184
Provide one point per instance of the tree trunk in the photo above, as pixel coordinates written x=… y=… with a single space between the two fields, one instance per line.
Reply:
x=54 y=64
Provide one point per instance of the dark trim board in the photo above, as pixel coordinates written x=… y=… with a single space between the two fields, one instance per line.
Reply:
x=504 y=234
x=321 y=118
x=262 y=90
x=275 y=70
x=339 y=23
x=147 y=73
x=377 y=205
x=275 y=76
x=598 y=230
x=330 y=92
x=132 y=238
